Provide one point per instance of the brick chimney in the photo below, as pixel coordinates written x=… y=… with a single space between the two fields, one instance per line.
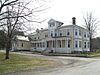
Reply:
x=74 y=21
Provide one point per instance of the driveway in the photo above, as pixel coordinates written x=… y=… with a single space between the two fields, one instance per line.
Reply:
x=72 y=66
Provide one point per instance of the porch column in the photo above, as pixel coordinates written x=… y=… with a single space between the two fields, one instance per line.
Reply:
x=45 y=44
x=65 y=43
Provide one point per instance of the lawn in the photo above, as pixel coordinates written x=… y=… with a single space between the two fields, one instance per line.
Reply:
x=17 y=62
x=91 y=54
x=94 y=54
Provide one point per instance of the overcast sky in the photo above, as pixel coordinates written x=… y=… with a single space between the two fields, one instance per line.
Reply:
x=64 y=10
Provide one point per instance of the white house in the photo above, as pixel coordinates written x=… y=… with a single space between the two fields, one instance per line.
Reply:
x=62 y=39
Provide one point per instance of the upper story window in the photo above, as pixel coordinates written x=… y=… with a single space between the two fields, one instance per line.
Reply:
x=52 y=24
x=68 y=32
x=85 y=34
x=51 y=34
x=80 y=32
x=60 y=34
x=46 y=35
x=22 y=45
x=38 y=37
x=35 y=38
x=76 y=32
x=80 y=44
x=55 y=34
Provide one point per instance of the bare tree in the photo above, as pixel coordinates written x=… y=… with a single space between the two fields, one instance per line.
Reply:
x=15 y=18
x=4 y=3
x=91 y=24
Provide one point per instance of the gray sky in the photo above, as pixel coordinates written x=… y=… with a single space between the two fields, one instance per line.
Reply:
x=64 y=10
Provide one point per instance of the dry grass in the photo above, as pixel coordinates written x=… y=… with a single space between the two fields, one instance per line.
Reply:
x=17 y=62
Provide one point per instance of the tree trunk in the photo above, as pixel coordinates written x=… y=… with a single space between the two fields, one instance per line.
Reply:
x=7 y=53
x=91 y=50
x=8 y=47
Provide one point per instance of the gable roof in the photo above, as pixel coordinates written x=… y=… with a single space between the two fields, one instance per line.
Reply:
x=52 y=20
x=71 y=26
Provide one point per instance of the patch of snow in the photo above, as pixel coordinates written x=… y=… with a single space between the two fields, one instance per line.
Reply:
x=22 y=38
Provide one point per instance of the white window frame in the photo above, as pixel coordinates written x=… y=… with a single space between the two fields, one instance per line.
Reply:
x=76 y=31
x=68 y=32
x=80 y=44
x=85 y=35
x=85 y=43
x=76 y=43
x=68 y=43
x=80 y=32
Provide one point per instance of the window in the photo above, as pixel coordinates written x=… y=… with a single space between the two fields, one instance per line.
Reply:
x=68 y=32
x=76 y=32
x=51 y=34
x=52 y=24
x=80 y=44
x=60 y=34
x=46 y=35
x=55 y=34
x=84 y=44
x=68 y=43
x=80 y=33
x=47 y=44
x=35 y=38
x=76 y=44
x=85 y=34
x=22 y=45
